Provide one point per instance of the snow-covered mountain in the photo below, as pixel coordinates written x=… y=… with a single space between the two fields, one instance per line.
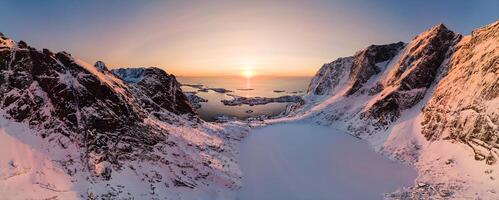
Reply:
x=75 y=130
x=432 y=103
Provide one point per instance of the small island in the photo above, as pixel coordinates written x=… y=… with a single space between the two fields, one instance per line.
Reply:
x=238 y=100
x=220 y=90
x=194 y=99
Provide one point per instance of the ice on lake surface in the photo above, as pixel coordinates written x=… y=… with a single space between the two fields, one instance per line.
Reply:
x=307 y=161
x=253 y=87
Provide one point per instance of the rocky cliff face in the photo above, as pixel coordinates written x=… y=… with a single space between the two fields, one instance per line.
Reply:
x=465 y=104
x=100 y=124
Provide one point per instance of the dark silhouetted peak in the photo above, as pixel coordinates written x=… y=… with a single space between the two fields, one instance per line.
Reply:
x=101 y=66
x=22 y=45
x=47 y=52
x=439 y=27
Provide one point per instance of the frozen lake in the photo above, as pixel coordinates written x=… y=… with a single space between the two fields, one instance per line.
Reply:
x=306 y=161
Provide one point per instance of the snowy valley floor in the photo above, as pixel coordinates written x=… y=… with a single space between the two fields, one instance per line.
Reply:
x=301 y=160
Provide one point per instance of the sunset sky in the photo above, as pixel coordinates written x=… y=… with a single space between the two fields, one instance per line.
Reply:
x=208 y=38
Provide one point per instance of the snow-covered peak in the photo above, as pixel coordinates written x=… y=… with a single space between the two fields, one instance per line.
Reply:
x=426 y=51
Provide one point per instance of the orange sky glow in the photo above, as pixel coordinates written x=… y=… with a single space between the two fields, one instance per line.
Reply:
x=226 y=38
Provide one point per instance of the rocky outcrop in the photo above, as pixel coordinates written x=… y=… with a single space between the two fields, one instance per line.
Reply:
x=101 y=66
x=465 y=104
x=155 y=89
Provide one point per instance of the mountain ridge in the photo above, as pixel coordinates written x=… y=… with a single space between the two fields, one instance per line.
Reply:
x=98 y=129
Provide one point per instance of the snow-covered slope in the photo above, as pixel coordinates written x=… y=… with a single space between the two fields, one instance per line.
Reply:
x=76 y=130
x=432 y=103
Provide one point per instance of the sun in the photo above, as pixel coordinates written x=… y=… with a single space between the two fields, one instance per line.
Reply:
x=248 y=73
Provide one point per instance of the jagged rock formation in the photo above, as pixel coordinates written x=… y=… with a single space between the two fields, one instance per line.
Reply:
x=99 y=126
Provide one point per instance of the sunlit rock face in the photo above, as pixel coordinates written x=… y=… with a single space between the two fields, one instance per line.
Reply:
x=465 y=104
x=99 y=127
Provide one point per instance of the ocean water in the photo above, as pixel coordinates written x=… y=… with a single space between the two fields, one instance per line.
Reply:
x=260 y=87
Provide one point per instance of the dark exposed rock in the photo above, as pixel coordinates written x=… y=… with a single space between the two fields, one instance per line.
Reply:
x=22 y=45
x=161 y=90
x=101 y=66
x=364 y=63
